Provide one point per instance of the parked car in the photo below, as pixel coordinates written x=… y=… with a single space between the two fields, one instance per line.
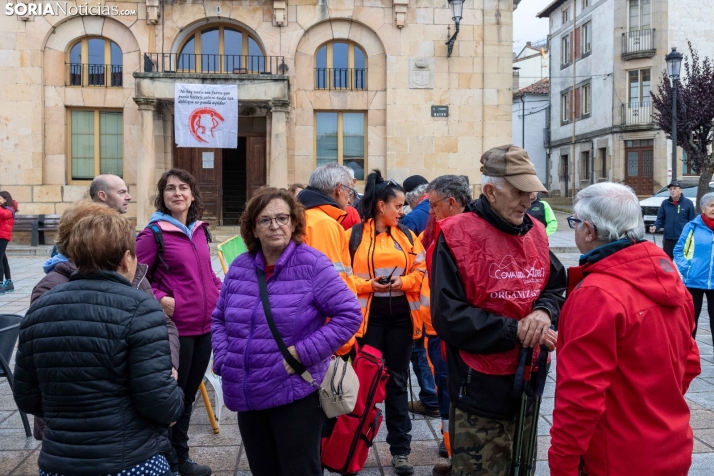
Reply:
x=650 y=206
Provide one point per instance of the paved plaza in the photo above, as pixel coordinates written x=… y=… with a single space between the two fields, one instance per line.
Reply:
x=224 y=451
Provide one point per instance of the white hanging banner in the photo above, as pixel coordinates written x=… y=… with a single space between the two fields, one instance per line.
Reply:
x=206 y=115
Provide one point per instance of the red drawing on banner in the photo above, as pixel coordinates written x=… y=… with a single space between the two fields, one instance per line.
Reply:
x=200 y=120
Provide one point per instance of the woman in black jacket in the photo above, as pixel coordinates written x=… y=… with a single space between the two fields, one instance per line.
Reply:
x=94 y=361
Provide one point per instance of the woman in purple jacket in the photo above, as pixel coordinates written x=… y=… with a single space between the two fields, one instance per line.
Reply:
x=186 y=287
x=279 y=414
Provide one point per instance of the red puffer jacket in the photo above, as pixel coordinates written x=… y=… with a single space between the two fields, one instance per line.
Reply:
x=7 y=220
x=625 y=359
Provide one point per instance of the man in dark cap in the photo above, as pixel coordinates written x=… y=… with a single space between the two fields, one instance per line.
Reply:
x=674 y=213
x=495 y=288
x=417 y=199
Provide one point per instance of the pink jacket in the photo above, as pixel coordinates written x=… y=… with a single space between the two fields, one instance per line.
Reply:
x=190 y=280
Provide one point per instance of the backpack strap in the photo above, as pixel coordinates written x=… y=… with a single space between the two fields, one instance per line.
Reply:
x=355 y=240
x=159 y=238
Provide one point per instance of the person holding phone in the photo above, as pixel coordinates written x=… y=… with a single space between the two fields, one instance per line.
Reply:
x=389 y=267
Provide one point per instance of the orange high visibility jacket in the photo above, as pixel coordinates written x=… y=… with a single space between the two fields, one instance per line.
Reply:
x=397 y=247
x=425 y=309
x=324 y=232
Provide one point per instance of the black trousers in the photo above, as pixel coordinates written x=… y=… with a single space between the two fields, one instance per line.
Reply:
x=284 y=440
x=668 y=247
x=194 y=356
x=4 y=265
x=395 y=343
x=698 y=298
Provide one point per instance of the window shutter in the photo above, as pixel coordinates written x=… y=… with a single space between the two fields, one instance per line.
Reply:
x=577 y=102
x=572 y=46
x=577 y=43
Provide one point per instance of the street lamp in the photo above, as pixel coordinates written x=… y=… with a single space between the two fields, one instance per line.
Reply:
x=674 y=64
x=457 y=9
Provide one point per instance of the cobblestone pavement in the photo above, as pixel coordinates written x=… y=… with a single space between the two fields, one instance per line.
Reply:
x=224 y=452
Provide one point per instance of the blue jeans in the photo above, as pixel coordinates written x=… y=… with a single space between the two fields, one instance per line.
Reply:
x=427 y=392
x=440 y=376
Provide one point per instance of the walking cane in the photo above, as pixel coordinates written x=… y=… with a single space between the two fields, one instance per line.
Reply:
x=523 y=375
x=540 y=379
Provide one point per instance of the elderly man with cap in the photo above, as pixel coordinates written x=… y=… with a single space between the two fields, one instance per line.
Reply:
x=495 y=288
x=417 y=199
x=673 y=214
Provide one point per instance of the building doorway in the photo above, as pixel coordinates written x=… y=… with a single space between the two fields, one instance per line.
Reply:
x=227 y=178
x=639 y=165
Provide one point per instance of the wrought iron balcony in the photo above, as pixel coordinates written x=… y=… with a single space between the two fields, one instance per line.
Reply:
x=637 y=113
x=341 y=78
x=95 y=75
x=213 y=64
x=638 y=44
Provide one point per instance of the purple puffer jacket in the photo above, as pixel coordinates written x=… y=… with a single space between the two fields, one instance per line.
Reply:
x=190 y=280
x=304 y=289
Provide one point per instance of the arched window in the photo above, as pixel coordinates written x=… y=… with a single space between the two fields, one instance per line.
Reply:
x=94 y=61
x=221 y=49
x=340 y=65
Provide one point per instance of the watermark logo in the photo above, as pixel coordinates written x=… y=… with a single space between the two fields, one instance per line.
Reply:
x=63 y=8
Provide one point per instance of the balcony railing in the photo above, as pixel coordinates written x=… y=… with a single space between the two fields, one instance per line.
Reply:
x=341 y=78
x=637 y=113
x=98 y=75
x=638 y=43
x=213 y=64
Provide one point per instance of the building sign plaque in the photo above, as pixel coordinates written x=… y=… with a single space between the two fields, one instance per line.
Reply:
x=439 y=111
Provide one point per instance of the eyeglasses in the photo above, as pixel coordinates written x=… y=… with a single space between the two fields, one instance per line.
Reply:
x=352 y=192
x=391 y=182
x=265 y=222
x=572 y=221
x=433 y=204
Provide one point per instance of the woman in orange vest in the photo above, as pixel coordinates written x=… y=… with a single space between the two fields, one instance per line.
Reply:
x=389 y=267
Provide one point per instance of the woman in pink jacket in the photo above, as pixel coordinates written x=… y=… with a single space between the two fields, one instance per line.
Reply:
x=187 y=288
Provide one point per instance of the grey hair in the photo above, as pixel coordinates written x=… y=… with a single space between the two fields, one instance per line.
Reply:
x=350 y=171
x=497 y=182
x=614 y=209
x=413 y=197
x=451 y=186
x=708 y=197
x=326 y=177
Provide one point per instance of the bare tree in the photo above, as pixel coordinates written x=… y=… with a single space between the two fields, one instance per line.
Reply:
x=695 y=114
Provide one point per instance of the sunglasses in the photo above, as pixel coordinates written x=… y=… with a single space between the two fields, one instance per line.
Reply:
x=572 y=221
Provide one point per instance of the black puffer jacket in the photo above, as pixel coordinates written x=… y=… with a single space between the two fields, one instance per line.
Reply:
x=93 y=360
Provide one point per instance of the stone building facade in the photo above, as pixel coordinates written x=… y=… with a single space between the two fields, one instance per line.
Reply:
x=606 y=58
x=351 y=81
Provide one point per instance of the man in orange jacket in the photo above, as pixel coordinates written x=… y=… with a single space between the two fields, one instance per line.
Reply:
x=626 y=355
x=325 y=200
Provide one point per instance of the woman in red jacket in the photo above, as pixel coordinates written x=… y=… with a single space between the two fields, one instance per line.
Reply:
x=8 y=208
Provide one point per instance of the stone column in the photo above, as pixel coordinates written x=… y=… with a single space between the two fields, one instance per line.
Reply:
x=145 y=162
x=278 y=166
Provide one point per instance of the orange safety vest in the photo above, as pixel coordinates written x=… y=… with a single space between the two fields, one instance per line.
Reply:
x=502 y=273
x=324 y=232
x=412 y=276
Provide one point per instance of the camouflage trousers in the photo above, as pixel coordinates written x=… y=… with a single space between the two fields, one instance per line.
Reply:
x=484 y=446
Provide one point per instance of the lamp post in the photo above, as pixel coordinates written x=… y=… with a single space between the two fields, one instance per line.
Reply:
x=457 y=9
x=674 y=64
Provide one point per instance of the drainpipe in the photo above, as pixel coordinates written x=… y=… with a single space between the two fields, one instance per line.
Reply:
x=523 y=122
x=592 y=161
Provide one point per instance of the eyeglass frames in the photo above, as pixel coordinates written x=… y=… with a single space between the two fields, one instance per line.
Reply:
x=352 y=192
x=572 y=221
x=433 y=204
x=281 y=220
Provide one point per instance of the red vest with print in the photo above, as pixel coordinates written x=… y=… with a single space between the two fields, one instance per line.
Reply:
x=502 y=273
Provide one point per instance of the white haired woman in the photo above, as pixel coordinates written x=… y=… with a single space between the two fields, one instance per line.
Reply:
x=694 y=258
